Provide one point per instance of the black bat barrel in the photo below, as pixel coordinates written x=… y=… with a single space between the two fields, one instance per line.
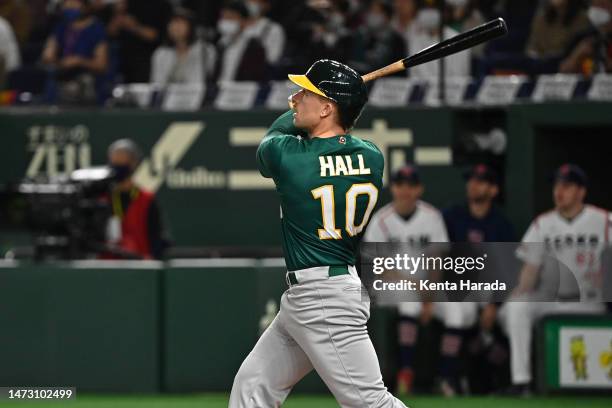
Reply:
x=485 y=32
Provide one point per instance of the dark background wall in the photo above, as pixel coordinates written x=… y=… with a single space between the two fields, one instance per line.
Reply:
x=198 y=171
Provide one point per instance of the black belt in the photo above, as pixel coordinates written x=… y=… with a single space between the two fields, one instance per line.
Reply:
x=333 y=271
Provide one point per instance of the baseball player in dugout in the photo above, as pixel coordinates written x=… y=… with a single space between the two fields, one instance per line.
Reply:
x=328 y=183
x=479 y=220
x=410 y=220
x=573 y=233
x=135 y=228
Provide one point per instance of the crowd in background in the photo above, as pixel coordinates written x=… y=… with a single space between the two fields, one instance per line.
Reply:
x=79 y=49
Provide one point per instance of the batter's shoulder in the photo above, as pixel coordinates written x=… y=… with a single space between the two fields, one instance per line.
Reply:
x=368 y=145
x=370 y=149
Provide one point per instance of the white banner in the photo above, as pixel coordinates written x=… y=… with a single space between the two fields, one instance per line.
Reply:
x=183 y=97
x=454 y=88
x=559 y=87
x=236 y=95
x=601 y=88
x=139 y=93
x=390 y=92
x=500 y=90
x=585 y=357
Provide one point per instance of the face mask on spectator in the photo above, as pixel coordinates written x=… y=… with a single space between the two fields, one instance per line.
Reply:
x=429 y=18
x=598 y=16
x=71 y=14
x=375 y=21
x=254 y=8
x=228 y=27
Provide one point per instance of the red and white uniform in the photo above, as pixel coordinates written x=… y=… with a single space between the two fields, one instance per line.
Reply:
x=425 y=226
x=576 y=246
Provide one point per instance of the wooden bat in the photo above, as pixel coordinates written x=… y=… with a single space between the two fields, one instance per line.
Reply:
x=478 y=35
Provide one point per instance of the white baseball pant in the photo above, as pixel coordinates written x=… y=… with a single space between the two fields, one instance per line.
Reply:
x=517 y=319
x=322 y=325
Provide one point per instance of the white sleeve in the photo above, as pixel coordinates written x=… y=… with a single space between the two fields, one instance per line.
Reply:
x=9 y=49
x=374 y=232
x=159 y=67
x=196 y=64
x=531 y=249
x=438 y=233
x=274 y=43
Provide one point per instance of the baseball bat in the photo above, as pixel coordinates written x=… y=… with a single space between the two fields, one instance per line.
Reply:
x=478 y=35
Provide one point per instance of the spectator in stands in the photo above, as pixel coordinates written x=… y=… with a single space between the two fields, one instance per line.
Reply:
x=423 y=33
x=9 y=50
x=518 y=15
x=136 y=225
x=590 y=51
x=554 y=26
x=318 y=30
x=183 y=59
x=77 y=54
x=479 y=220
x=269 y=33
x=404 y=13
x=17 y=14
x=241 y=56
x=377 y=44
x=464 y=15
x=138 y=27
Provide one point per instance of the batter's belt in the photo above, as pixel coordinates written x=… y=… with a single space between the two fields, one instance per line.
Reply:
x=318 y=273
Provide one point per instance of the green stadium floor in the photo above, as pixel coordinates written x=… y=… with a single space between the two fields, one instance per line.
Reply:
x=298 y=401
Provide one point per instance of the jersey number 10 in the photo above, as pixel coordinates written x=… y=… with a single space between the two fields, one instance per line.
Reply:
x=328 y=209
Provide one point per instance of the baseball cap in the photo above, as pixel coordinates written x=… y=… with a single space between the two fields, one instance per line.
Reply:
x=408 y=174
x=570 y=173
x=482 y=172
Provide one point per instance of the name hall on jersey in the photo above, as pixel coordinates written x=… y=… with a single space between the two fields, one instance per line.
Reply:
x=342 y=166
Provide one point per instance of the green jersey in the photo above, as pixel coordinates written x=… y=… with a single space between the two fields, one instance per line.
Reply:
x=328 y=188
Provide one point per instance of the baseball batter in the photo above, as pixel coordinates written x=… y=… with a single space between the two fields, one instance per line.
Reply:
x=573 y=233
x=328 y=183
